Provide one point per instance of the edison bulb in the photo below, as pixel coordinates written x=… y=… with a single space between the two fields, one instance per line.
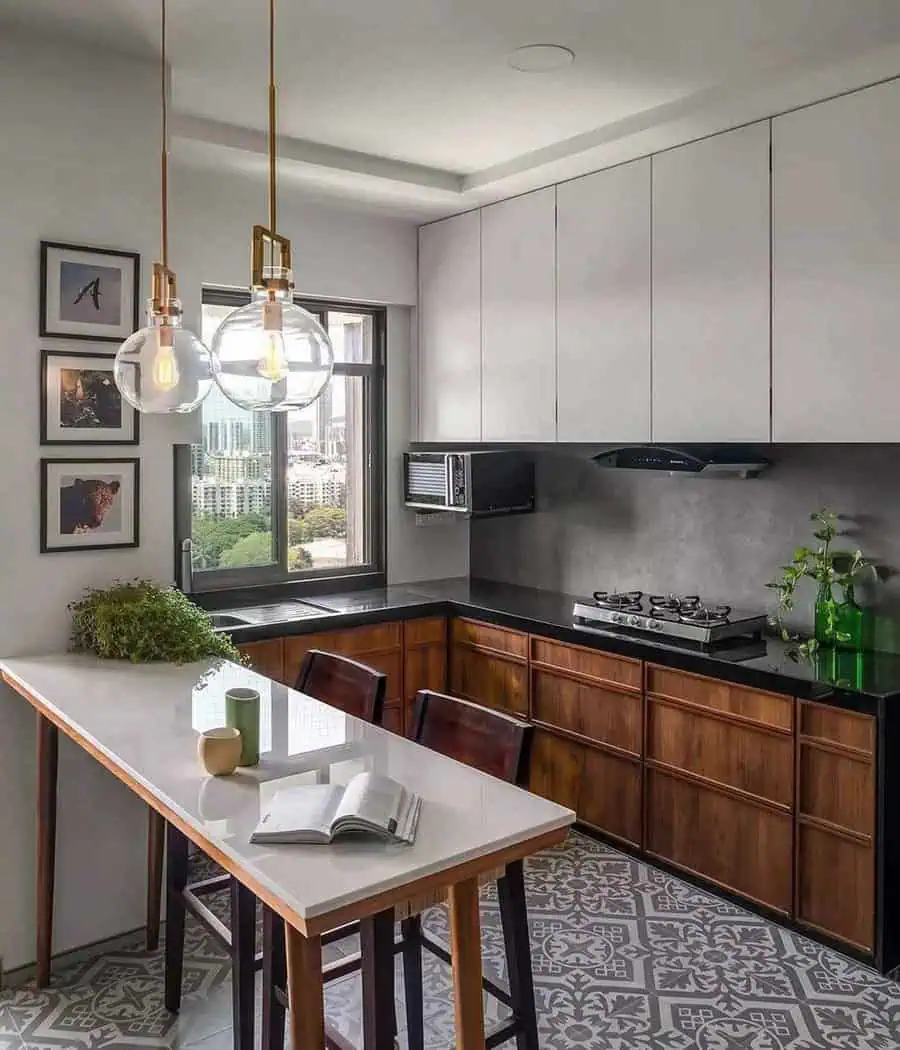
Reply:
x=272 y=354
x=164 y=368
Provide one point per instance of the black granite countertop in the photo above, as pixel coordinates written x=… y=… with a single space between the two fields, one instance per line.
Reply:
x=855 y=680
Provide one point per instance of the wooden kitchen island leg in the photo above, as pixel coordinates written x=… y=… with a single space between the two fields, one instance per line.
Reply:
x=47 y=769
x=305 y=990
x=465 y=945
x=156 y=845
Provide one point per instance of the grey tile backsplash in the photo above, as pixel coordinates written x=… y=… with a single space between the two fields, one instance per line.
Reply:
x=723 y=538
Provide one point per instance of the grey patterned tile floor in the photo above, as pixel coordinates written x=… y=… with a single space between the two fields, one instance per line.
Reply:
x=625 y=956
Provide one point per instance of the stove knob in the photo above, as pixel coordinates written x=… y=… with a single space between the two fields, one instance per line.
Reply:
x=634 y=621
x=618 y=618
x=654 y=625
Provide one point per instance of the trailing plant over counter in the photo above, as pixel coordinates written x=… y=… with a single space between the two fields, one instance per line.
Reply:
x=142 y=622
x=836 y=622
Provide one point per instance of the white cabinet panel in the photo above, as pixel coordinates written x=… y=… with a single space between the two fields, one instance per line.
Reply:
x=836 y=267
x=449 y=354
x=519 y=318
x=711 y=289
x=603 y=306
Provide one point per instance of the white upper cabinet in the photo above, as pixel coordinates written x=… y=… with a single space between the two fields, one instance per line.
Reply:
x=518 y=320
x=836 y=266
x=449 y=354
x=603 y=306
x=711 y=372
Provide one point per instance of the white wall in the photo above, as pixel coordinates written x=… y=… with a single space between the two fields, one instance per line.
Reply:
x=80 y=163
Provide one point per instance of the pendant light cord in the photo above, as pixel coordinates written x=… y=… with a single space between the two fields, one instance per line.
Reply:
x=271 y=115
x=164 y=164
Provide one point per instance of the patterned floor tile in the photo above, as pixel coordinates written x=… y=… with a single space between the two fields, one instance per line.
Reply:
x=625 y=957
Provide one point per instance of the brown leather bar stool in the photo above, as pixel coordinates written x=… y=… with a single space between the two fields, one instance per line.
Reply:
x=341 y=682
x=498 y=744
x=494 y=743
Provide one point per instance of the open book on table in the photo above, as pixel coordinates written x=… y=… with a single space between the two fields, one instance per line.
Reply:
x=317 y=813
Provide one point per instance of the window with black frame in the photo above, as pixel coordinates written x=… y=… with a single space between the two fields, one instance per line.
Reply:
x=292 y=496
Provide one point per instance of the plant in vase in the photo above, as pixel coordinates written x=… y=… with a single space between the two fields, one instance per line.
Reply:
x=837 y=623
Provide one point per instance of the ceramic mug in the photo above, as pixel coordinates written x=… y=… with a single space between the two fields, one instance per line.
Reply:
x=219 y=750
x=242 y=713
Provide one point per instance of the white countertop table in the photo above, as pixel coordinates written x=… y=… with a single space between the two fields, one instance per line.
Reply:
x=141 y=722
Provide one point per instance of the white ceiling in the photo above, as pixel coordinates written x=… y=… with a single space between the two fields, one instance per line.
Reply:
x=425 y=82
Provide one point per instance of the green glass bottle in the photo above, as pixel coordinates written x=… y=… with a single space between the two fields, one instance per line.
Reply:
x=826 y=614
x=849 y=627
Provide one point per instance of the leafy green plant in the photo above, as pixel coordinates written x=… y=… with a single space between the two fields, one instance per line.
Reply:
x=143 y=622
x=828 y=566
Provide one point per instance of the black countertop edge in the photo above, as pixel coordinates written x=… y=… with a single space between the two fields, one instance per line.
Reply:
x=549 y=614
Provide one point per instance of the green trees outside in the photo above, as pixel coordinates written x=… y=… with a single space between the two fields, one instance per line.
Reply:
x=247 y=539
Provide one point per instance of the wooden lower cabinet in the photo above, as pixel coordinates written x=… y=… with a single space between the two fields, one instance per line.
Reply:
x=489 y=666
x=425 y=661
x=836 y=809
x=266 y=658
x=743 y=846
x=603 y=789
x=393 y=717
x=379 y=646
x=556 y=768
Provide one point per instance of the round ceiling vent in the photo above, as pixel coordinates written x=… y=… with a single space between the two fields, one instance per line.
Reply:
x=540 y=58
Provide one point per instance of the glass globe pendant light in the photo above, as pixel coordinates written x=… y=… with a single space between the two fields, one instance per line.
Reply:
x=164 y=367
x=272 y=354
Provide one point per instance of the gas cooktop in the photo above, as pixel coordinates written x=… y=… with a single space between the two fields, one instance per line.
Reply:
x=679 y=616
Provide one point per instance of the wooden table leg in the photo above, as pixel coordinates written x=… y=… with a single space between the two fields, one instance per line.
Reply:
x=465 y=945
x=156 y=843
x=48 y=766
x=376 y=940
x=305 y=990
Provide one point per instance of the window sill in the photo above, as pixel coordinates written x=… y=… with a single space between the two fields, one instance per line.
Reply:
x=231 y=596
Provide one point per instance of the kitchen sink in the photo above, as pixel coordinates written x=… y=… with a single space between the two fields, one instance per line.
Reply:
x=257 y=615
x=224 y=620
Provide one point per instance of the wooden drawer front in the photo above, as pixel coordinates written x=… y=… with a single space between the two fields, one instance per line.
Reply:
x=840 y=727
x=836 y=885
x=610 y=795
x=739 y=845
x=470 y=632
x=741 y=757
x=768 y=708
x=556 y=768
x=266 y=658
x=600 y=714
x=430 y=631
x=493 y=681
x=393 y=718
x=392 y=665
x=356 y=642
x=605 y=668
x=837 y=788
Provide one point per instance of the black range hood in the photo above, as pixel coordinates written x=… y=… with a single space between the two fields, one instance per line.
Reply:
x=705 y=461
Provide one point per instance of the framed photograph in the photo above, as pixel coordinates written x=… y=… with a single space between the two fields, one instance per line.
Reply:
x=88 y=293
x=81 y=404
x=89 y=504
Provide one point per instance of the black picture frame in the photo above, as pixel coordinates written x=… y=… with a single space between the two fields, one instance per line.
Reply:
x=78 y=436
x=95 y=466
x=130 y=320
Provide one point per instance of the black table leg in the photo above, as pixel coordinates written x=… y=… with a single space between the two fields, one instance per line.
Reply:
x=411 y=930
x=176 y=880
x=514 y=916
x=274 y=978
x=376 y=936
x=243 y=960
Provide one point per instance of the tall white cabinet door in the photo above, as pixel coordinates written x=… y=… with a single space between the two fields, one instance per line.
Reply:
x=449 y=353
x=836 y=267
x=711 y=289
x=518 y=318
x=603 y=305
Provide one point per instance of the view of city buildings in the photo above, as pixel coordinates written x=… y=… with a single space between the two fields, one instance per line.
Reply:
x=232 y=474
